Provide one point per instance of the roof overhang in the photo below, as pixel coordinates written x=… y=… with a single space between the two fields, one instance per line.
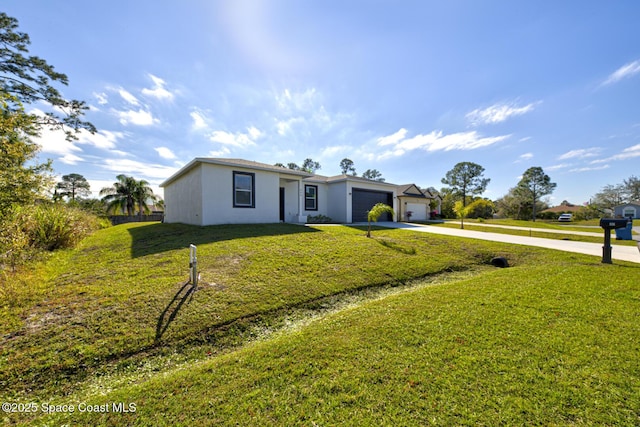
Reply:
x=234 y=163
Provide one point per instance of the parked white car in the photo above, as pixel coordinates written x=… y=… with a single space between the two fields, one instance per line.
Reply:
x=565 y=217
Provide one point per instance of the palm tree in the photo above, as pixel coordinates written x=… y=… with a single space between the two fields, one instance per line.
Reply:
x=121 y=195
x=376 y=211
x=143 y=193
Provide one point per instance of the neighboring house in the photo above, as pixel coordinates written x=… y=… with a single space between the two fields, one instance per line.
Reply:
x=211 y=191
x=411 y=199
x=628 y=210
x=564 y=207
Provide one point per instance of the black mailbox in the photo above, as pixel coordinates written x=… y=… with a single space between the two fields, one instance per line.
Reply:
x=613 y=223
x=609 y=224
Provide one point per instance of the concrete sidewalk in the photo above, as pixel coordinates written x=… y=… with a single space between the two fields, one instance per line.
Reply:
x=623 y=253
x=540 y=230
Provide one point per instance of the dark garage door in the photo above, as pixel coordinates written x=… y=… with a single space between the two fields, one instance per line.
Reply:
x=363 y=200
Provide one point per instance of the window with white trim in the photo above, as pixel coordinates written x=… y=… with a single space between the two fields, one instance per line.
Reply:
x=244 y=190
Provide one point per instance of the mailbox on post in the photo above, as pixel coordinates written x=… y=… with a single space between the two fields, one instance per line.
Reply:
x=609 y=224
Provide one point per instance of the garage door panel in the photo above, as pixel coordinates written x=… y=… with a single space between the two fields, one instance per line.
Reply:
x=418 y=211
x=363 y=200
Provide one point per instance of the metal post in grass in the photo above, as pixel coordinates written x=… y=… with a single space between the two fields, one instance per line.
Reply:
x=606 y=249
x=607 y=225
x=193 y=265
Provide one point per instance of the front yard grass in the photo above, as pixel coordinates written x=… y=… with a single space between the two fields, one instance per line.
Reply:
x=122 y=295
x=535 y=231
x=553 y=340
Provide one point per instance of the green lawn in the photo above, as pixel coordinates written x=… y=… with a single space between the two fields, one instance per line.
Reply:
x=537 y=229
x=591 y=225
x=295 y=325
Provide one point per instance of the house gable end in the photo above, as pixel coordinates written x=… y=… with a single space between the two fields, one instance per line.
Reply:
x=410 y=190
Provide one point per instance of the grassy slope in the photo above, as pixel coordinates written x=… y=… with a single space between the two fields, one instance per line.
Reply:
x=121 y=295
x=553 y=340
x=527 y=345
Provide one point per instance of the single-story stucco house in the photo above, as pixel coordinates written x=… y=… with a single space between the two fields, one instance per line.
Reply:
x=415 y=204
x=628 y=210
x=210 y=191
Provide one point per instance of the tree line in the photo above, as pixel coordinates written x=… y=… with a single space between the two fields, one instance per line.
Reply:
x=33 y=220
x=466 y=181
x=126 y=196
x=347 y=167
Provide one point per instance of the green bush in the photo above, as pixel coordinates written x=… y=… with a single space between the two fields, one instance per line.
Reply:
x=28 y=230
x=319 y=219
x=481 y=208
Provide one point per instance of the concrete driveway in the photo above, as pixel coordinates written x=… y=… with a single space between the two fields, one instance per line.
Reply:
x=624 y=253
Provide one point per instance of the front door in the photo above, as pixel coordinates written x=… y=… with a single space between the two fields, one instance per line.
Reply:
x=281 y=204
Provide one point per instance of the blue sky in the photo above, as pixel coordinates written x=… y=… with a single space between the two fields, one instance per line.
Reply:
x=409 y=88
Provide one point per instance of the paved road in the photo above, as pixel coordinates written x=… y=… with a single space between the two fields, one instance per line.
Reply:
x=625 y=253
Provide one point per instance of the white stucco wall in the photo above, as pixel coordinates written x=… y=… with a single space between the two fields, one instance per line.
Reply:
x=183 y=198
x=217 y=205
x=203 y=195
x=337 y=200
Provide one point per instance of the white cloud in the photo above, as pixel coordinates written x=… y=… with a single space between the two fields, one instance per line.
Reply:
x=199 y=120
x=623 y=72
x=526 y=156
x=127 y=96
x=254 y=133
x=293 y=102
x=101 y=97
x=587 y=169
x=165 y=153
x=498 y=113
x=558 y=166
x=158 y=91
x=634 y=150
x=302 y=108
x=627 y=153
x=435 y=141
x=70 y=159
x=238 y=139
x=336 y=149
x=284 y=127
x=53 y=141
x=392 y=139
x=133 y=167
x=580 y=153
x=140 y=117
x=103 y=139
x=98 y=184
x=224 y=151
